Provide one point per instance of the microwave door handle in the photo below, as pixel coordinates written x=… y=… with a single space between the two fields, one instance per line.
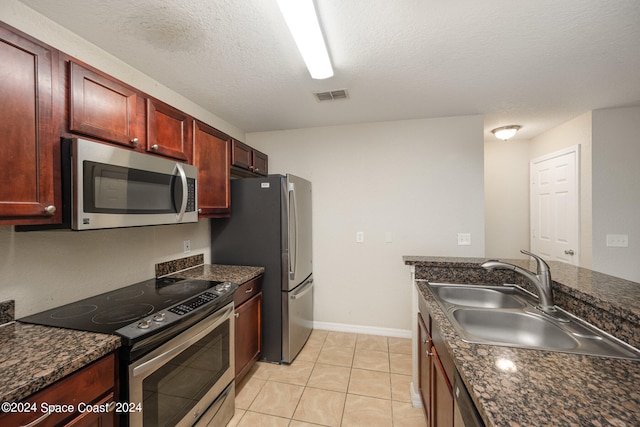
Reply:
x=183 y=206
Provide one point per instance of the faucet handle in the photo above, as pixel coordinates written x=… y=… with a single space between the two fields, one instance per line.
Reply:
x=543 y=267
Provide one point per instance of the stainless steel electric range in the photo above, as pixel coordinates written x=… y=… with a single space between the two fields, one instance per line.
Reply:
x=177 y=354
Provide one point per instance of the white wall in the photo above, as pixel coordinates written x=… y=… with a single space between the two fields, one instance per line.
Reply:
x=45 y=269
x=506 y=198
x=419 y=180
x=616 y=190
x=41 y=270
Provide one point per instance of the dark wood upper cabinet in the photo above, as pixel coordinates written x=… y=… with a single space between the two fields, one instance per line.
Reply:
x=102 y=107
x=247 y=161
x=211 y=155
x=260 y=163
x=29 y=151
x=168 y=131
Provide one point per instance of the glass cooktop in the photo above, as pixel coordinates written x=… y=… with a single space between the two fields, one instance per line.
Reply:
x=107 y=312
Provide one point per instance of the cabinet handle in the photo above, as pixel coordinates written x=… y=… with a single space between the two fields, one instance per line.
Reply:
x=569 y=252
x=237 y=315
x=50 y=210
x=256 y=170
x=155 y=147
x=135 y=141
x=199 y=210
x=248 y=291
x=38 y=420
x=429 y=353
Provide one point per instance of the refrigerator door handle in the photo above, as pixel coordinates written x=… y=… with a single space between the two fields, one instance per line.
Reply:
x=303 y=290
x=293 y=232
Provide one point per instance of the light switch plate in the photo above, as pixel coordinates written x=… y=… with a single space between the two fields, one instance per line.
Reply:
x=360 y=237
x=617 y=240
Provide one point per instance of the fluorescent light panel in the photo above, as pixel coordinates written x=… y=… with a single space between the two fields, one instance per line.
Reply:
x=301 y=18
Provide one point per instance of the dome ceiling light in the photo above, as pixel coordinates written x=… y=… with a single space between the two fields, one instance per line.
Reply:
x=505 y=132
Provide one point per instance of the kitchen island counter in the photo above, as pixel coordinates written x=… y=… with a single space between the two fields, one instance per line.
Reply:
x=33 y=356
x=523 y=387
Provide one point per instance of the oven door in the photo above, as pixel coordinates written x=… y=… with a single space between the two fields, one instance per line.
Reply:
x=179 y=381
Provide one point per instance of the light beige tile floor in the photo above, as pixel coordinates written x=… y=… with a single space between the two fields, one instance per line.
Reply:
x=338 y=379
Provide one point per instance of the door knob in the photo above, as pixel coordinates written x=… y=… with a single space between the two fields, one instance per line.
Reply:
x=569 y=252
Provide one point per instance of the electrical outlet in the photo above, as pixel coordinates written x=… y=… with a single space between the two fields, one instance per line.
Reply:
x=360 y=237
x=464 y=239
x=187 y=246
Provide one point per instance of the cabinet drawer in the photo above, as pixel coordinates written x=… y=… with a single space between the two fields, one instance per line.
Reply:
x=83 y=386
x=247 y=290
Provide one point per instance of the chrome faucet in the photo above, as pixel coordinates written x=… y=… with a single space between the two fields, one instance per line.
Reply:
x=541 y=281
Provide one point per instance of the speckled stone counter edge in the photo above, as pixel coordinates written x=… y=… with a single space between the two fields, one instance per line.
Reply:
x=608 y=302
x=7 y=311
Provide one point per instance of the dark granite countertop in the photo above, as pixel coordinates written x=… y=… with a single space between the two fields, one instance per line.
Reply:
x=522 y=387
x=33 y=356
x=232 y=273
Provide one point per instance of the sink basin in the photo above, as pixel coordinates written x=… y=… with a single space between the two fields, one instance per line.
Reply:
x=513 y=328
x=477 y=296
x=507 y=316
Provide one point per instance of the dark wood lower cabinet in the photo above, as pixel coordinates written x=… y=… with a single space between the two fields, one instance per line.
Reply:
x=92 y=385
x=435 y=386
x=248 y=325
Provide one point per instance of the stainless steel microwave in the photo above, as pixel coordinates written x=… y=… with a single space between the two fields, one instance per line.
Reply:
x=113 y=187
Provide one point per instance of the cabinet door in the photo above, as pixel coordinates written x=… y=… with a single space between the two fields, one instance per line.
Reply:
x=248 y=339
x=260 y=163
x=168 y=131
x=102 y=107
x=442 y=394
x=96 y=419
x=211 y=154
x=424 y=370
x=241 y=155
x=29 y=165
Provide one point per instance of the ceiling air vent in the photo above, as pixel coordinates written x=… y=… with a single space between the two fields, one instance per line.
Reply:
x=332 y=95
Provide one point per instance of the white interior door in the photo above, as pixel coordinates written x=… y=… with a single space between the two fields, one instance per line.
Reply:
x=555 y=206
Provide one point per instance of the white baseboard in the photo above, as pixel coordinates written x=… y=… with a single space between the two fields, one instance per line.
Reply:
x=366 y=330
x=416 y=401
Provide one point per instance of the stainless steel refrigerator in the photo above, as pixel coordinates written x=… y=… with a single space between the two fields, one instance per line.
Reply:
x=270 y=226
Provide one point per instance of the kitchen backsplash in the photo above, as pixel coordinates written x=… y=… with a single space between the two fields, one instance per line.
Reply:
x=7 y=311
x=169 y=267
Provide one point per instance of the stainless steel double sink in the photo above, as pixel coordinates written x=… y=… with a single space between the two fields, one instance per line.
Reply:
x=507 y=316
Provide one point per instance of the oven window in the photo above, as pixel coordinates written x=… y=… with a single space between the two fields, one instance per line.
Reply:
x=175 y=388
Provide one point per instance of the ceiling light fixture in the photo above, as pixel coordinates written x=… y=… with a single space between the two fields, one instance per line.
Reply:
x=505 y=132
x=301 y=18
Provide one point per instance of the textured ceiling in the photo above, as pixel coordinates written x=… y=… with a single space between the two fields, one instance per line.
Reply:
x=534 y=63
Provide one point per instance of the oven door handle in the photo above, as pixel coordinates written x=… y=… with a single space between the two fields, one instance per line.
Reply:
x=190 y=338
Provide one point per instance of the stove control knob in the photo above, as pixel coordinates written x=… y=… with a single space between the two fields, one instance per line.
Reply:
x=144 y=324
x=159 y=317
